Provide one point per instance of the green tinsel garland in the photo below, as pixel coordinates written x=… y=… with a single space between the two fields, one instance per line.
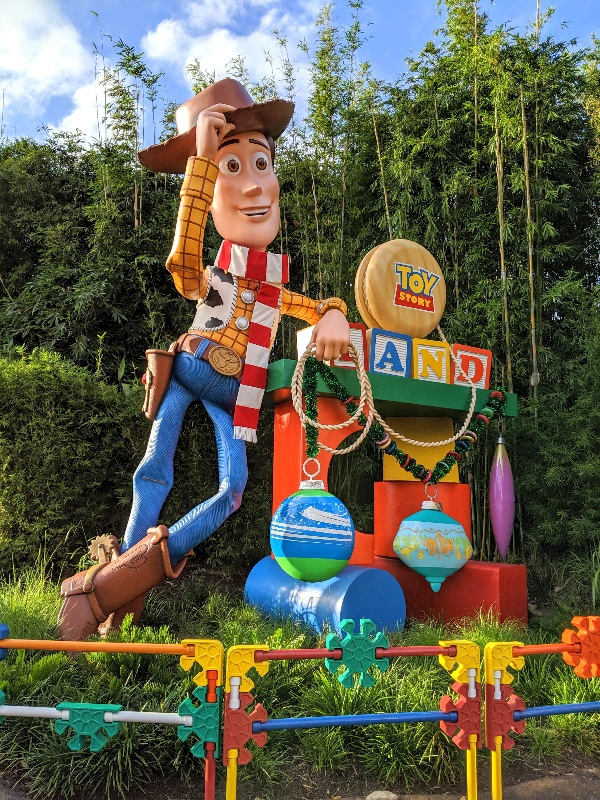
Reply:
x=313 y=368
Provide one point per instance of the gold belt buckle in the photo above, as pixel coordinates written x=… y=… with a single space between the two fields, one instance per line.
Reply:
x=224 y=360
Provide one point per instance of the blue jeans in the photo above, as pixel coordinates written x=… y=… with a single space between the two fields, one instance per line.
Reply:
x=192 y=378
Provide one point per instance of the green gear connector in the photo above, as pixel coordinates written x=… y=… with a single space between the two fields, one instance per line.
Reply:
x=358 y=653
x=2 y=701
x=206 y=721
x=87 y=719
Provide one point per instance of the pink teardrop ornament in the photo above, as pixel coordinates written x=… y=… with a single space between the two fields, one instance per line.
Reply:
x=502 y=499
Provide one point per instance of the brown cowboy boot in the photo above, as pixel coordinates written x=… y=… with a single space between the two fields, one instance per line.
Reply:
x=91 y=596
x=106 y=548
x=114 y=620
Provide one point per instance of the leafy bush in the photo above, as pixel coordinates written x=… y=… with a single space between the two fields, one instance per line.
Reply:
x=68 y=443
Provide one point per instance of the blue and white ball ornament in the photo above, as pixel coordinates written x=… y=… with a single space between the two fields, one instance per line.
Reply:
x=312 y=534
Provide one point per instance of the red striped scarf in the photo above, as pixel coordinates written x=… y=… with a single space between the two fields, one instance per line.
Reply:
x=272 y=270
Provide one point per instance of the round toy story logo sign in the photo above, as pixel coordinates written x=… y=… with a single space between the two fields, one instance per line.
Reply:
x=399 y=287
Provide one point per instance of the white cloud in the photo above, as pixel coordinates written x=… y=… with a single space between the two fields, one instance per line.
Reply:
x=237 y=28
x=41 y=55
x=167 y=42
x=206 y=14
x=218 y=48
x=84 y=116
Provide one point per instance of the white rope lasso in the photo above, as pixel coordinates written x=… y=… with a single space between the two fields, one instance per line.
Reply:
x=468 y=419
x=366 y=398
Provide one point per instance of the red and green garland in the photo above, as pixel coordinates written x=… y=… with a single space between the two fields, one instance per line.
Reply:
x=494 y=408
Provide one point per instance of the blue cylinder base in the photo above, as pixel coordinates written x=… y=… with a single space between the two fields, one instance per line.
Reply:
x=355 y=593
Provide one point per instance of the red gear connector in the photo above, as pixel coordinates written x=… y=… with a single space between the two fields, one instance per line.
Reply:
x=586 y=662
x=237 y=728
x=499 y=716
x=469 y=715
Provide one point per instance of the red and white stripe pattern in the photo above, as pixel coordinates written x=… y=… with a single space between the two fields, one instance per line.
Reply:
x=272 y=270
x=253 y=264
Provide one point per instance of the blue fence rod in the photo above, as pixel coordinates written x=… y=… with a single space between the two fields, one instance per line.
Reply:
x=554 y=711
x=355 y=719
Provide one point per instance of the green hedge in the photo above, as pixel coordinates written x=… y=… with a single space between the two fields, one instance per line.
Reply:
x=69 y=444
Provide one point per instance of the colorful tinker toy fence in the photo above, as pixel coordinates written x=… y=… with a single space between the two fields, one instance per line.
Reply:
x=356 y=653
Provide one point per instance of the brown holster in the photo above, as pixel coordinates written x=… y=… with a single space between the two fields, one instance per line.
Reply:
x=91 y=596
x=158 y=375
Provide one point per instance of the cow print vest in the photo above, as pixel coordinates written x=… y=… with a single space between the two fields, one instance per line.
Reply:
x=215 y=311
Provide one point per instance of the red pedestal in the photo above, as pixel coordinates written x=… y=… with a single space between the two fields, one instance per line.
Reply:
x=362 y=555
x=501 y=588
x=478 y=586
x=289 y=451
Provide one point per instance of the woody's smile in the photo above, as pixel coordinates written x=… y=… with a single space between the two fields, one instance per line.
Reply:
x=258 y=211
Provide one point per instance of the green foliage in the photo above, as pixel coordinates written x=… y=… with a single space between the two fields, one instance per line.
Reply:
x=78 y=273
x=59 y=488
x=68 y=443
x=138 y=754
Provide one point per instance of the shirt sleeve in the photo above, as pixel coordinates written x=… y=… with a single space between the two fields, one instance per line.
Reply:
x=311 y=311
x=185 y=259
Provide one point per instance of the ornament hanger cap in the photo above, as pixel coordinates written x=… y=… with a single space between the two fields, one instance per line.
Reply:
x=431 y=490
x=312 y=484
x=431 y=505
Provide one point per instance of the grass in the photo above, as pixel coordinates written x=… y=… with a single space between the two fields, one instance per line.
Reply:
x=209 y=607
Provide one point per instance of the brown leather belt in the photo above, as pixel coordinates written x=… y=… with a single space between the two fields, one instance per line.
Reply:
x=221 y=358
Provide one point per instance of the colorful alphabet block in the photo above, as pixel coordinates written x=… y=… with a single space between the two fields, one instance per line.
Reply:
x=389 y=352
x=431 y=361
x=476 y=363
x=358 y=337
x=400 y=355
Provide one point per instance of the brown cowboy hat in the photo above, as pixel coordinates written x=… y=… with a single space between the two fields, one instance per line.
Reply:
x=270 y=118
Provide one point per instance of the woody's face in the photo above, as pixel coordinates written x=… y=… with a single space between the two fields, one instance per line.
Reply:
x=245 y=207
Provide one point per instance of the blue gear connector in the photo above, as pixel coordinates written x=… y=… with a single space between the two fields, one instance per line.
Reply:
x=4 y=634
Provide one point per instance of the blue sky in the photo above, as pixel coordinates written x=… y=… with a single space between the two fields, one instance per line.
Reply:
x=48 y=64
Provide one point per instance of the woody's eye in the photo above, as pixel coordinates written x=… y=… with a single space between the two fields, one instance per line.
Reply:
x=261 y=162
x=229 y=164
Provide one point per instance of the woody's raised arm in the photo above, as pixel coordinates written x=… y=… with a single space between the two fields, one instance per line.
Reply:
x=185 y=259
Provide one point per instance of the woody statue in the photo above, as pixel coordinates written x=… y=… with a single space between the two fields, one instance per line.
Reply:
x=225 y=147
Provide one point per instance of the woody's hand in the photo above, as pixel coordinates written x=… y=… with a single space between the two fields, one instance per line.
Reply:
x=211 y=127
x=331 y=335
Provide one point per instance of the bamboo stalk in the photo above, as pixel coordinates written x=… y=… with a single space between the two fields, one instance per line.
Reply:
x=534 y=362
x=314 y=193
x=338 y=290
x=475 y=87
x=503 y=274
x=385 y=197
x=537 y=155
